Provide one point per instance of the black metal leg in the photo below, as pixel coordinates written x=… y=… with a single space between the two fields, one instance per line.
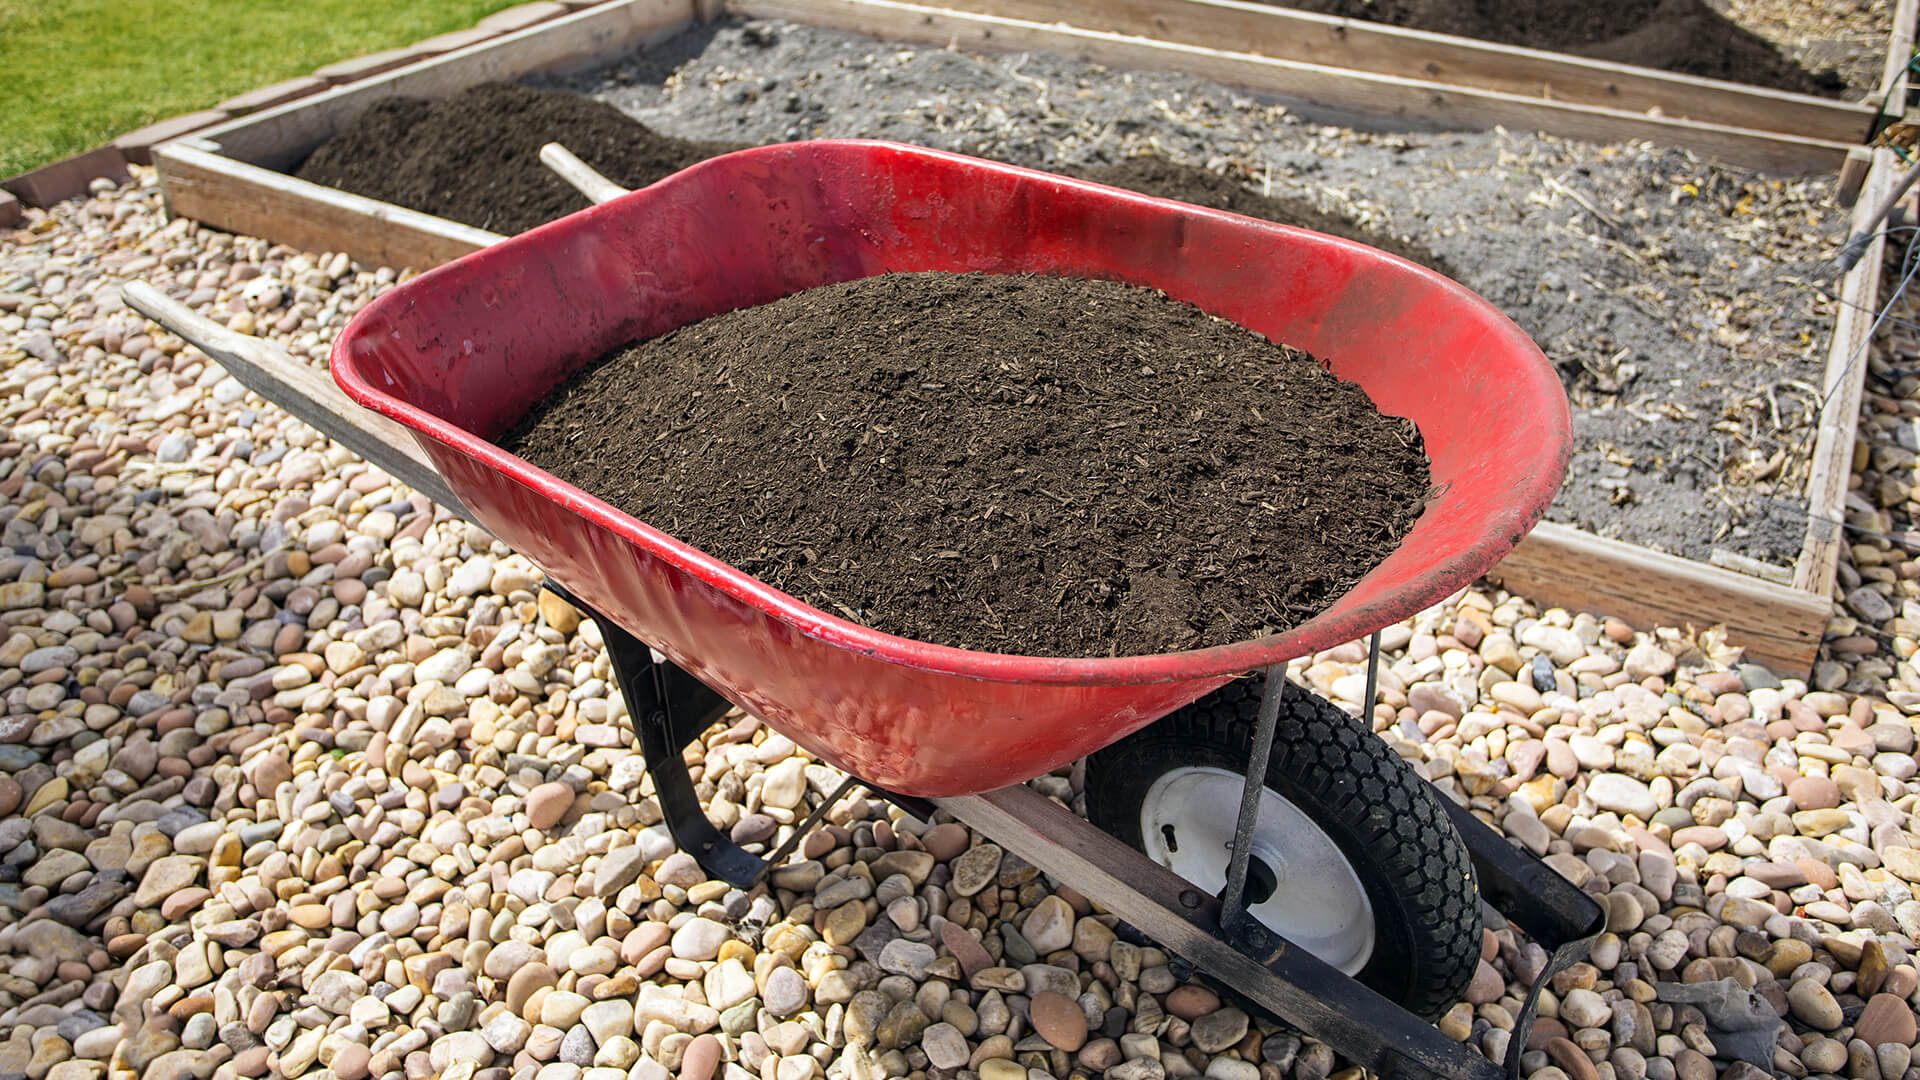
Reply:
x=914 y=805
x=1373 y=679
x=670 y=708
x=673 y=786
x=1562 y=918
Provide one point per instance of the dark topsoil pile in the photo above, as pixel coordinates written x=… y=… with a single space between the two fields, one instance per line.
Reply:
x=475 y=158
x=1685 y=36
x=1038 y=465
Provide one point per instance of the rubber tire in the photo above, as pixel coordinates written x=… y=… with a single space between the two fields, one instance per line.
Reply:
x=1386 y=820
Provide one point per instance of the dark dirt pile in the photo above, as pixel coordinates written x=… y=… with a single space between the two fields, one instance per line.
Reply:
x=1037 y=465
x=1684 y=36
x=1151 y=175
x=475 y=157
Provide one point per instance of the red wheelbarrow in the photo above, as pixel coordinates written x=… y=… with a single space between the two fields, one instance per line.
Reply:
x=1346 y=886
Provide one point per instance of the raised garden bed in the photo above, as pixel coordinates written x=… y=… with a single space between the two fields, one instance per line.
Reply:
x=1374 y=68
x=1598 y=221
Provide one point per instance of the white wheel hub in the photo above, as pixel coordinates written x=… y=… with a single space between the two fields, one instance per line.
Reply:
x=1299 y=884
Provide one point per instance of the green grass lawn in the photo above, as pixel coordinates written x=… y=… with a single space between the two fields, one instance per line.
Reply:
x=79 y=72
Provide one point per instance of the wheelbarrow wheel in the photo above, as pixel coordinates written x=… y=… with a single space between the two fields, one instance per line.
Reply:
x=1354 y=859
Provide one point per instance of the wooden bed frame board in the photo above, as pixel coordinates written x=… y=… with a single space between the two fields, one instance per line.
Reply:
x=226 y=177
x=1326 y=40
x=1892 y=101
x=1560 y=566
x=1843 y=384
x=202 y=184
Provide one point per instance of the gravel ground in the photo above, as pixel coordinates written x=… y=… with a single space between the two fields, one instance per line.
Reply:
x=299 y=779
x=1673 y=294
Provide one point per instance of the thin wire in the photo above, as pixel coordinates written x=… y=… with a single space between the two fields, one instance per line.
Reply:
x=1803 y=448
x=1844 y=302
x=1867 y=341
x=1910 y=263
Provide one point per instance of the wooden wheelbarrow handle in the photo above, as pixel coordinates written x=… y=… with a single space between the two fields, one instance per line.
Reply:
x=580 y=174
x=267 y=370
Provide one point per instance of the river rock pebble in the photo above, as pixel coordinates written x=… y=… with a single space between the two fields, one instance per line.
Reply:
x=1058 y=1019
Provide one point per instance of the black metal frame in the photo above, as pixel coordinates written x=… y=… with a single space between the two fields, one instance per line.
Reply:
x=670 y=708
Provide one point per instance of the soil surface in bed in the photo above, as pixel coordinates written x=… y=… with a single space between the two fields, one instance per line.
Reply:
x=1035 y=465
x=1685 y=36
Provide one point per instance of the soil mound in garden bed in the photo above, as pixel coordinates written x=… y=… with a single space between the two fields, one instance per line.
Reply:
x=475 y=157
x=1037 y=465
x=1685 y=36
x=1157 y=176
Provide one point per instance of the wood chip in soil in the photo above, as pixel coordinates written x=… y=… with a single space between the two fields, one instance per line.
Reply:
x=1035 y=465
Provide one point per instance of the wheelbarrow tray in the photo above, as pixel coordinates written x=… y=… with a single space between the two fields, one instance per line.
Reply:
x=458 y=354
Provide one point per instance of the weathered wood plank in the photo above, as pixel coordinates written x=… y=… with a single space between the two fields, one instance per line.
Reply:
x=303 y=390
x=253 y=201
x=1415 y=101
x=1287 y=34
x=1843 y=384
x=1565 y=567
x=281 y=138
x=1894 y=77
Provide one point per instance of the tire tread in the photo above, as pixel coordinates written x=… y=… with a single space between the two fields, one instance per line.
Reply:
x=1372 y=798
